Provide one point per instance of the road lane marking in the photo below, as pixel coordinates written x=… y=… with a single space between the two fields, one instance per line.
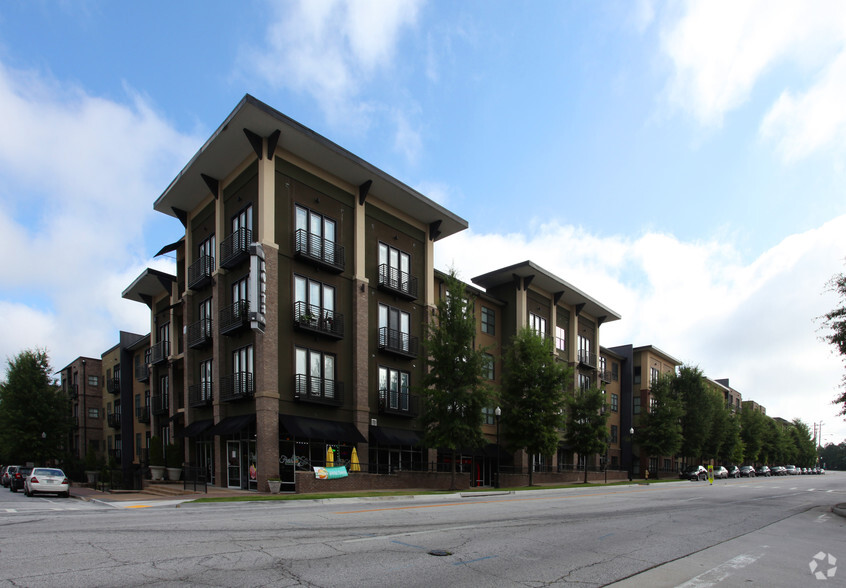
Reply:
x=720 y=573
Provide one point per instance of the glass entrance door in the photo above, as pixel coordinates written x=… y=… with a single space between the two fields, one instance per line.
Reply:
x=233 y=464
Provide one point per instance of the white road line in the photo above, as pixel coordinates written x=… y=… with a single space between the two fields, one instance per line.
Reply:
x=11 y=510
x=718 y=574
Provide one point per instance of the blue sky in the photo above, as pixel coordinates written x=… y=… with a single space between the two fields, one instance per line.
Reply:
x=681 y=162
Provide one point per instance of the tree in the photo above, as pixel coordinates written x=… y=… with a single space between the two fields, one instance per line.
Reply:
x=660 y=431
x=835 y=322
x=453 y=389
x=34 y=413
x=533 y=395
x=806 y=452
x=719 y=423
x=696 y=421
x=731 y=450
x=586 y=432
x=752 y=425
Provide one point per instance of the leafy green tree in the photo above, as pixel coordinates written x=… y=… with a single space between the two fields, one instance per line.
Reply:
x=660 y=430
x=731 y=449
x=803 y=441
x=586 y=431
x=719 y=424
x=34 y=413
x=752 y=425
x=834 y=322
x=833 y=456
x=698 y=411
x=533 y=395
x=453 y=390
x=773 y=447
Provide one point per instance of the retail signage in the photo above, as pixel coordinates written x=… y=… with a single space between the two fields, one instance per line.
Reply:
x=330 y=473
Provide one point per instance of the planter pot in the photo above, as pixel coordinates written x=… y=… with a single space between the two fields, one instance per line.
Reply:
x=274 y=485
x=157 y=473
x=92 y=476
x=173 y=474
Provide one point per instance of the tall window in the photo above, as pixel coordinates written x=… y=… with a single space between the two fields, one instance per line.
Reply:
x=488 y=367
x=206 y=248
x=560 y=339
x=313 y=298
x=636 y=405
x=613 y=433
x=204 y=312
x=243 y=220
x=488 y=320
x=394 y=267
x=584 y=349
x=394 y=328
x=489 y=415
x=393 y=388
x=164 y=337
x=615 y=405
x=315 y=373
x=164 y=390
x=206 y=379
x=584 y=382
x=315 y=234
x=537 y=324
x=653 y=376
x=242 y=370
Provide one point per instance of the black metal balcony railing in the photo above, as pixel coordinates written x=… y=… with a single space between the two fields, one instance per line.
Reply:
x=159 y=404
x=113 y=420
x=318 y=390
x=238 y=386
x=326 y=253
x=142 y=414
x=308 y=317
x=402 y=283
x=235 y=248
x=605 y=375
x=200 y=394
x=113 y=385
x=398 y=403
x=159 y=352
x=200 y=272
x=142 y=372
x=587 y=358
x=397 y=342
x=234 y=317
x=200 y=333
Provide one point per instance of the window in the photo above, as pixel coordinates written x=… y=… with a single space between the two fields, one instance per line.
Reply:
x=206 y=380
x=653 y=404
x=560 y=339
x=93 y=413
x=138 y=444
x=243 y=220
x=489 y=415
x=239 y=290
x=393 y=388
x=488 y=321
x=313 y=300
x=395 y=268
x=93 y=380
x=613 y=433
x=653 y=376
x=585 y=355
x=614 y=403
x=637 y=374
x=615 y=367
x=394 y=328
x=488 y=367
x=206 y=249
x=204 y=313
x=537 y=324
x=315 y=234
x=315 y=373
x=636 y=405
x=584 y=382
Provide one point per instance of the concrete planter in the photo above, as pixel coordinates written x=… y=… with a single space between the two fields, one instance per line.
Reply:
x=274 y=485
x=157 y=473
x=173 y=474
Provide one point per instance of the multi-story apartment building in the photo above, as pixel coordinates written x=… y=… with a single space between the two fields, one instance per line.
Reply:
x=294 y=321
x=531 y=296
x=610 y=371
x=81 y=380
x=733 y=398
x=752 y=405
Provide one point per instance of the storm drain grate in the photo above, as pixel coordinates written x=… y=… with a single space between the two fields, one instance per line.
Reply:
x=440 y=552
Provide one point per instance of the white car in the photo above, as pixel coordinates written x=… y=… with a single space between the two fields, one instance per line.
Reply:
x=47 y=480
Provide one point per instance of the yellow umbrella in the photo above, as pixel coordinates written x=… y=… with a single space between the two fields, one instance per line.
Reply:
x=354 y=466
x=330 y=457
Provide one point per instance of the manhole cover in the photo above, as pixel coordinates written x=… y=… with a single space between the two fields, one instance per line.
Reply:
x=440 y=552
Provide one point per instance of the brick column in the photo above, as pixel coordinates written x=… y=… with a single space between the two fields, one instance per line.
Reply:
x=360 y=386
x=267 y=378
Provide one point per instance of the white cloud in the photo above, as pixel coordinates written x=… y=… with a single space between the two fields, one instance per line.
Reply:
x=90 y=169
x=751 y=322
x=721 y=51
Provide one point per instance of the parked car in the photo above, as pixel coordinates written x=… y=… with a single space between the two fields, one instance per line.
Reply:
x=721 y=472
x=16 y=480
x=4 y=476
x=734 y=472
x=747 y=472
x=47 y=480
x=763 y=471
x=779 y=471
x=791 y=470
x=695 y=473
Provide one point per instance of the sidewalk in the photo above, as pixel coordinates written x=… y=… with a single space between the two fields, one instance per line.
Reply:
x=89 y=494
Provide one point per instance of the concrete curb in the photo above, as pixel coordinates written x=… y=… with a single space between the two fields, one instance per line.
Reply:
x=839 y=509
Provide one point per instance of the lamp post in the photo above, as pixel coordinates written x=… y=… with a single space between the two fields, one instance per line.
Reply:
x=43 y=449
x=497 y=414
x=631 y=452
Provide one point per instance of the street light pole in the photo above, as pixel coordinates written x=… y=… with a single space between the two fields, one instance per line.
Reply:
x=631 y=453
x=497 y=414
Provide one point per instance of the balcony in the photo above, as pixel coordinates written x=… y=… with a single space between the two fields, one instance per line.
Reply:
x=318 y=390
x=605 y=375
x=200 y=395
x=235 y=317
x=200 y=333
x=159 y=405
x=235 y=248
x=398 y=403
x=327 y=254
x=311 y=318
x=113 y=385
x=142 y=414
x=113 y=420
x=73 y=391
x=142 y=372
x=587 y=359
x=397 y=342
x=200 y=272
x=159 y=352
x=397 y=282
x=238 y=386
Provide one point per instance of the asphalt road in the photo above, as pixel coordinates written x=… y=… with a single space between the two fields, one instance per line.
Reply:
x=735 y=532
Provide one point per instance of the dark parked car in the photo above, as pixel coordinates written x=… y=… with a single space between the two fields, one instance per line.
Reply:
x=7 y=475
x=764 y=471
x=734 y=472
x=779 y=471
x=747 y=472
x=694 y=473
x=16 y=480
x=4 y=477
